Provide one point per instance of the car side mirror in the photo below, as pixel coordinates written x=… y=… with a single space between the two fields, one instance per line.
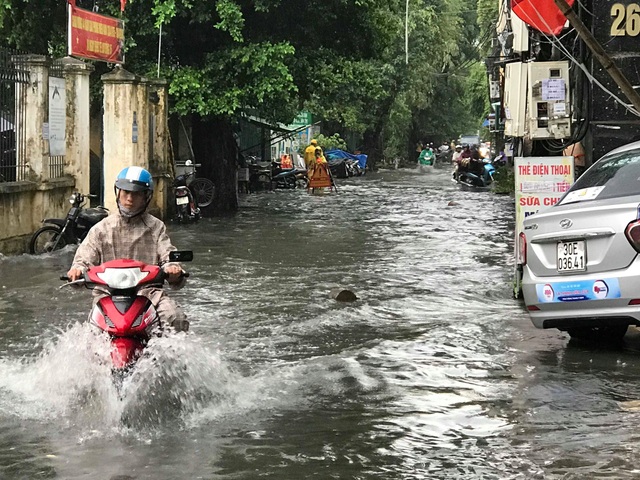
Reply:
x=181 y=256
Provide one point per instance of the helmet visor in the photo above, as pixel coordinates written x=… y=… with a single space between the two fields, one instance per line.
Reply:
x=132 y=185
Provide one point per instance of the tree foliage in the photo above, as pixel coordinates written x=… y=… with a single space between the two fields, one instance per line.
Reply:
x=342 y=60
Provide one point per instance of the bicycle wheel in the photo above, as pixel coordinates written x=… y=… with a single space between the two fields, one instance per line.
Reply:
x=203 y=189
x=44 y=240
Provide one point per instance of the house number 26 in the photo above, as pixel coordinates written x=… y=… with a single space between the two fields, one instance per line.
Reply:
x=626 y=20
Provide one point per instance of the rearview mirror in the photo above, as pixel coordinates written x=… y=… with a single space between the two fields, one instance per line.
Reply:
x=181 y=256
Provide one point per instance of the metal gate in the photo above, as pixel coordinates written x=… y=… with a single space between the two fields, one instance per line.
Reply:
x=13 y=84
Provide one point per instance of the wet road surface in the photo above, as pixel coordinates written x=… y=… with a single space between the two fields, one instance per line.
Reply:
x=434 y=372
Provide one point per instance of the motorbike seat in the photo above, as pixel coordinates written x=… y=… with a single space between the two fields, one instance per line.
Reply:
x=180 y=181
x=94 y=215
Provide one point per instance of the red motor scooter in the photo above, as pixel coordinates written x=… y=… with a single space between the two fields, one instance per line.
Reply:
x=128 y=318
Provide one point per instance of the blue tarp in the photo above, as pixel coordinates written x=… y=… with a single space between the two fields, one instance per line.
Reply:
x=337 y=154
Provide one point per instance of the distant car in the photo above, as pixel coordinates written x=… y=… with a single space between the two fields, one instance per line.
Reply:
x=469 y=140
x=581 y=263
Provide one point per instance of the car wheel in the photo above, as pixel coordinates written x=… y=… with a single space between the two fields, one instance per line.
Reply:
x=610 y=334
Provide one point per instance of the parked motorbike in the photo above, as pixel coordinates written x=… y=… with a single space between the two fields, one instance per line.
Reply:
x=186 y=203
x=344 y=168
x=259 y=174
x=59 y=232
x=129 y=319
x=288 y=177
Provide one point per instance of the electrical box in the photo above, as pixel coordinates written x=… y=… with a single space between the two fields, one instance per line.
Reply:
x=520 y=34
x=548 y=109
x=515 y=94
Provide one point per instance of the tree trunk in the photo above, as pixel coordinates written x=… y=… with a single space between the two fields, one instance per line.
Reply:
x=373 y=139
x=216 y=149
x=373 y=148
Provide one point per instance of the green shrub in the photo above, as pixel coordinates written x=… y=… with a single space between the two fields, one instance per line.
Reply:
x=504 y=180
x=328 y=143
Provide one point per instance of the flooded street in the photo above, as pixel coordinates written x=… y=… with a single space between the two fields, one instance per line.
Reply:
x=434 y=372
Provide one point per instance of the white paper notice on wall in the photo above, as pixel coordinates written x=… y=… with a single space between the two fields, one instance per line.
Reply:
x=553 y=89
x=57 y=117
x=560 y=108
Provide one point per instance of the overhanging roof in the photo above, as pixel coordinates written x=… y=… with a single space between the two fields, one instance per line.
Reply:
x=278 y=127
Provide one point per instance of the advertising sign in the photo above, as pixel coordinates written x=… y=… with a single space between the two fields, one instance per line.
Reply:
x=95 y=36
x=540 y=182
x=57 y=117
x=578 y=291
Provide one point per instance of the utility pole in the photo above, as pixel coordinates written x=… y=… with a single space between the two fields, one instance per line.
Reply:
x=406 y=33
x=605 y=60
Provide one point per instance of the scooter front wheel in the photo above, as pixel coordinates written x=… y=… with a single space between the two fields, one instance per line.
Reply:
x=46 y=239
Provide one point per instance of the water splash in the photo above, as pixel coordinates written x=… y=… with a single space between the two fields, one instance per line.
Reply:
x=71 y=382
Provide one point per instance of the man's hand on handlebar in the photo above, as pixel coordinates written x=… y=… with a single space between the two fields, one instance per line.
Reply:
x=173 y=271
x=74 y=274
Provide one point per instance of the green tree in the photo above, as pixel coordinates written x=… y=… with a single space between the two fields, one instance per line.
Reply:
x=342 y=60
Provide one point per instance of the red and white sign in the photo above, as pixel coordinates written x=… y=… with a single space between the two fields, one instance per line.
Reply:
x=540 y=182
x=95 y=36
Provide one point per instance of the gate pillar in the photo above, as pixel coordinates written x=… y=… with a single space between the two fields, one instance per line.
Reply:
x=126 y=129
x=35 y=95
x=78 y=151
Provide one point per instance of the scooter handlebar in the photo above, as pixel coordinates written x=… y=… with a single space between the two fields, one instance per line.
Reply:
x=163 y=277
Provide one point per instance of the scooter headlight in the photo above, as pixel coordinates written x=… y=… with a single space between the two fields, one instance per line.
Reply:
x=122 y=278
x=72 y=198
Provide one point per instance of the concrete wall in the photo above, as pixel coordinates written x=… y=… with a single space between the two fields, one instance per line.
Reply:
x=25 y=203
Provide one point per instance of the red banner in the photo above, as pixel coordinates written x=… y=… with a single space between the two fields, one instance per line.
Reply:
x=95 y=36
x=543 y=15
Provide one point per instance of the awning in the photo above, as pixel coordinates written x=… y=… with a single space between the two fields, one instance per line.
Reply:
x=278 y=127
x=543 y=15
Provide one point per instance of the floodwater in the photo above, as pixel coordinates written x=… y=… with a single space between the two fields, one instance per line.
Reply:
x=434 y=372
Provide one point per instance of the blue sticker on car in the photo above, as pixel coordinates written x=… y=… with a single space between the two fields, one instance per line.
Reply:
x=578 y=291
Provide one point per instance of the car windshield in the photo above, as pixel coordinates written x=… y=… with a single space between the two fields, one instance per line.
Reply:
x=611 y=177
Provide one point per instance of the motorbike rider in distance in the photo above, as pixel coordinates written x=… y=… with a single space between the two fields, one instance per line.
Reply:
x=134 y=234
x=456 y=154
x=463 y=161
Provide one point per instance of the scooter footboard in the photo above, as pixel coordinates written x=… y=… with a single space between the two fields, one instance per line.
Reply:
x=125 y=351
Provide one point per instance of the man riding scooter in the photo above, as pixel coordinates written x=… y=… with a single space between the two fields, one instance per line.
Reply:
x=134 y=234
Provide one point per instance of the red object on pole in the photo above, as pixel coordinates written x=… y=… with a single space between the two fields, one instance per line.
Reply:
x=543 y=15
x=122 y=4
x=72 y=3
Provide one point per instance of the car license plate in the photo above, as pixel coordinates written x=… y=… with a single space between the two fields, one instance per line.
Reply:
x=182 y=200
x=572 y=256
